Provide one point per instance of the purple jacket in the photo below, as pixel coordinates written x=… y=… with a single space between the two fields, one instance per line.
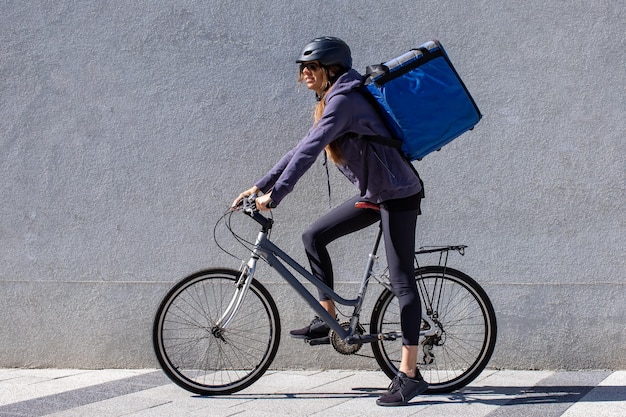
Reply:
x=380 y=172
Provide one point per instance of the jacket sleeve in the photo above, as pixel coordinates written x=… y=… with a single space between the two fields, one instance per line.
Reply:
x=266 y=183
x=335 y=122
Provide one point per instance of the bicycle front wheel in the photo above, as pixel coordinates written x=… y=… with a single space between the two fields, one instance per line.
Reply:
x=465 y=325
x=207 y=359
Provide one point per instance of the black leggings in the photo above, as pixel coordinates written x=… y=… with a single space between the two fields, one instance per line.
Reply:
x=398 y=223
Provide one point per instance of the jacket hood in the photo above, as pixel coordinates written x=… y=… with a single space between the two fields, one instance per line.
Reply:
x=347 y=82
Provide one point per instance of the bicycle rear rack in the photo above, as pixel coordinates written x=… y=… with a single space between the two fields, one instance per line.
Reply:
x=443 y=252
x=431 y=249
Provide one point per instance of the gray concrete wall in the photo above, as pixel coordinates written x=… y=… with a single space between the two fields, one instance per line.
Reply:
x=126 y=128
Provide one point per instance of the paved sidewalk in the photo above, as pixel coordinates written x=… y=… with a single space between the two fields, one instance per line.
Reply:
x=103 y=393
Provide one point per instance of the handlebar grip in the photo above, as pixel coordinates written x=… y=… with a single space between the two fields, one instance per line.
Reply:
x=249 y=203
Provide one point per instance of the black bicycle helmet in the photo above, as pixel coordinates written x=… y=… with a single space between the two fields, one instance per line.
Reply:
x=328 y=50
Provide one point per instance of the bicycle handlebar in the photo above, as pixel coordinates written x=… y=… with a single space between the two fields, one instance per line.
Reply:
x=248 y=205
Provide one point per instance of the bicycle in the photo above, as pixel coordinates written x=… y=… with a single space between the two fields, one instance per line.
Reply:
x=217 y=331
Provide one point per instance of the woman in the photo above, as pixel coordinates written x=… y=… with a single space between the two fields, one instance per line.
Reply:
x=382 y=175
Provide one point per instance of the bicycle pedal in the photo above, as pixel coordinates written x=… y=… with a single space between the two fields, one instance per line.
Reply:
x=319 y=341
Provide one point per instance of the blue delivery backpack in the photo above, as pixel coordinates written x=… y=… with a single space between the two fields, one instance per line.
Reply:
x=422 y=99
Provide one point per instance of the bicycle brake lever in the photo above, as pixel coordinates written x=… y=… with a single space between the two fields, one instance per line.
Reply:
x=249 y=204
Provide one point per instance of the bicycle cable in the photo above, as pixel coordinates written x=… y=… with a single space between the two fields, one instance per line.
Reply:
x=226 y=220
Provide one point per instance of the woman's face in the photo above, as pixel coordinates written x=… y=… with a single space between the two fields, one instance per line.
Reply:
x=312 y=75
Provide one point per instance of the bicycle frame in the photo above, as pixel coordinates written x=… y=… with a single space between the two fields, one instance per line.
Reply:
x=214 y=357
x=273 y=255
x=265 y=249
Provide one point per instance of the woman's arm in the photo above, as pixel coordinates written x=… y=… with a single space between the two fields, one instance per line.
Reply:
x=334 y=123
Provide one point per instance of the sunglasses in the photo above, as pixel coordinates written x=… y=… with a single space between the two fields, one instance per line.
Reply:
x=311 y=66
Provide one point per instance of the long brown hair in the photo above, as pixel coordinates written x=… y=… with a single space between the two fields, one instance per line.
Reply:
x=332 y=149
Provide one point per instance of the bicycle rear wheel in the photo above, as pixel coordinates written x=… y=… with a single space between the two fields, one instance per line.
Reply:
x=206 y=359
x=464 y=317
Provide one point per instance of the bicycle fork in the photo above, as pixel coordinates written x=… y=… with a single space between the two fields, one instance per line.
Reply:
x=241 y=289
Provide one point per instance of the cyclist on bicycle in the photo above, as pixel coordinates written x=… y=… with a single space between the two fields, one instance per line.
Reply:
x=381 y=174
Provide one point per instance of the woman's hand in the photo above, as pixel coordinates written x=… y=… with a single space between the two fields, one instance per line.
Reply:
x=248 y=192
x=263 y=202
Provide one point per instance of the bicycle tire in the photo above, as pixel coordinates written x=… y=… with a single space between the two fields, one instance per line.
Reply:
x=205 y=360
x=466 y=317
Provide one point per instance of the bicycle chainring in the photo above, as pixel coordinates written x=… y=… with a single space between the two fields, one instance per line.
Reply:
x=341 y=345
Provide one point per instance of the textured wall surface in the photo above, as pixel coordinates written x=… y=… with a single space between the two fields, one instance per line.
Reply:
x=127 y=128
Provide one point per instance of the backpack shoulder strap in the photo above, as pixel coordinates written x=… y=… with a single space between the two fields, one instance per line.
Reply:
x=391 y=141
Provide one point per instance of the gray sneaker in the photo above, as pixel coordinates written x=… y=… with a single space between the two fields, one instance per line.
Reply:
x=402 y=389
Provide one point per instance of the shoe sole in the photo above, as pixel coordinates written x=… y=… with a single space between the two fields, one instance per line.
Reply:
x=304 y=336
x=421 y=389
x=299 y=336
x=324 y=340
